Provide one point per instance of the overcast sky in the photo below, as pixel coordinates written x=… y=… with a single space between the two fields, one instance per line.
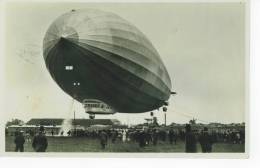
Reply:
x=202 y=46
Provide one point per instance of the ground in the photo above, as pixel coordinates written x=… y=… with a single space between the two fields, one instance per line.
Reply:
x=76 y=144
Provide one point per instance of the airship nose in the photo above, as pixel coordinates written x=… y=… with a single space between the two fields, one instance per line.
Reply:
x=57 y=35
x=68 y=33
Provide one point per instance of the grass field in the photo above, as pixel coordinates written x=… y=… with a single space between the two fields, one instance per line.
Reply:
x=77 y=144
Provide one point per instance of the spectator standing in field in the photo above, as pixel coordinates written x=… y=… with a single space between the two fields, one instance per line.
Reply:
x=206 y=141
x=31 y=133
x=52 y=132
x=148 y=136
x=238 y=138
x=40 y=142
x=163 y=135
x=242 y=134
x=103 y=139
x=171 y=136
x=124 y=136
x=6 y=132
x=113 y=136
x=141 y=139
x=69 y=133
x=19 y=142
x=28 y=137
x=155 y=137
x=190 y=140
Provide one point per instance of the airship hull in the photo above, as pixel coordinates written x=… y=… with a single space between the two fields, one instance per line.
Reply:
x=118 y=66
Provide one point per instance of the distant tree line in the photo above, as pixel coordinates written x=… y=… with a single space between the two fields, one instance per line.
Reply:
x=14 y=122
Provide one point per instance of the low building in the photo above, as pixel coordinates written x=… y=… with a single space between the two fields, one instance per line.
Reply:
x=55 y=125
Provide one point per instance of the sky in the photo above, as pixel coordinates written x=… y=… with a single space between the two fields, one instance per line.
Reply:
x=201 y=45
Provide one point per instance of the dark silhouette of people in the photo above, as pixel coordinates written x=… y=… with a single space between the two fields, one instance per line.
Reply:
x=148 y=137
x=103 y=139
x=141 y=139
x=40 y=142
x=163 y=135
x=190 y=140
x=52 y=132
x=172 y=136
x=6 y=132
x=113 y=136
x=206 y=141
x=155 y=137
x=69 y=133
x=19 y=142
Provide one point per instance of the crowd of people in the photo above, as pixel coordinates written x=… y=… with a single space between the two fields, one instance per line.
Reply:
x=146 y=137
x=39 y=142
x=143 y=137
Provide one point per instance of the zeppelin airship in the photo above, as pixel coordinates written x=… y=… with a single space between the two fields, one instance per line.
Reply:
x=97 y=55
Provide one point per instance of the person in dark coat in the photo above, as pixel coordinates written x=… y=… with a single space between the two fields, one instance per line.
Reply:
x=19 y=142
x=69 y=133
x=206 y=141
x=141 y=139
x=40 y=142
x=171 y=136
x=190 y=140
x=103 y=139
x=163 y=135
x=147 y=137
x=113 y=136
x=6 y=132
x=155 y=137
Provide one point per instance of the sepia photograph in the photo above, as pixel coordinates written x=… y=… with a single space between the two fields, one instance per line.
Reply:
x=127 y=78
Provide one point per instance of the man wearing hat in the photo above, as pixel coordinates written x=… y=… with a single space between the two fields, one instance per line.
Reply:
x=206 y=141
x=40 y=142
x=190 y=140
x=19 y=142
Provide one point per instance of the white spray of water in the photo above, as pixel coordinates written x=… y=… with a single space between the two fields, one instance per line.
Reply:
x=67 y=122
